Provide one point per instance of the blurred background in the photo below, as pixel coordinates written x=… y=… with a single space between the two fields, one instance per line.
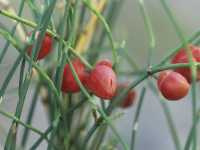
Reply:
x=153 y=133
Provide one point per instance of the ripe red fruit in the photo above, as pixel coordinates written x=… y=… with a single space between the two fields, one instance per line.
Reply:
x=69 y=83
x=129 y=100
x=181 y=57
x=45 y=49
x=172 y=85
x=105 y=62
x=102 y=82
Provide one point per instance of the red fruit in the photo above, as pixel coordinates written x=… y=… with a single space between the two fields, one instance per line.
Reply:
x=129 y=99
x=102 y=82
x=105 y=62
x=69 y=83
x=172 y=85
x=181 y=57
x=45 y=49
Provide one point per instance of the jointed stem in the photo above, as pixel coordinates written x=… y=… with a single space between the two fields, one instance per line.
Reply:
x=25 y=125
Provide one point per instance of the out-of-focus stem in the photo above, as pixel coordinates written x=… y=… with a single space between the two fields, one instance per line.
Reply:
x=5 y=4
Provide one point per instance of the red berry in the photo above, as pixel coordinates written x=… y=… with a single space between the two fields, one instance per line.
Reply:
x=105 y=62
x=45 y=49
x=102 y=82
x=181 y=57
x=172 y=85
x=69 y=83
x=129 y=100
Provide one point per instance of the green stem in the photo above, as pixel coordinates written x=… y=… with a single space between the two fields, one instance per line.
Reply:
x=97 y=141
x=149 y=28
x=23 y=124
x=194 y=36
x=35 y=10
x=136 y=118
x=108 y=31
x=10 y=75
x=171 y=125
x=37 y=143
x=192 y=131
x=168 y=116
x=12 y=32
x=30 y=116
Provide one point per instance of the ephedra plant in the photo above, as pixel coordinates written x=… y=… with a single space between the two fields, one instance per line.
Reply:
x=59 y=51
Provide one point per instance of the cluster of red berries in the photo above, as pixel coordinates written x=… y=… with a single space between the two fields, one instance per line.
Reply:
x=175 y=85
x=101 y=80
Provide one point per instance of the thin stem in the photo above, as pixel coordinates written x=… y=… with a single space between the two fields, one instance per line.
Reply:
x=149 y=28
x=130 y=59
x=168 y=116
x=194 y=36
x=30 y=116
x=61 y=55
x=88 y=136
x=22 y=90
x=171 y=125
x=97 y=141
x=10 y=75
x=192 y=131
x=6 y=114
x=12 y=31
x=136 y=118
x=45 y=134
x=35 y=10
x=108 y=31
x=75 y=107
